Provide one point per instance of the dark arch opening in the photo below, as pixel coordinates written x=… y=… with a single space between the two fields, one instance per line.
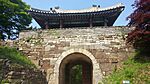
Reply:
x=70 y=63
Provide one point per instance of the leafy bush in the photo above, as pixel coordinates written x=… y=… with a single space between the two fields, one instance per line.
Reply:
x=15 y=56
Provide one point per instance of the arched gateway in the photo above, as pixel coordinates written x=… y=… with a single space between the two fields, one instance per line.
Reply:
x=91 y=72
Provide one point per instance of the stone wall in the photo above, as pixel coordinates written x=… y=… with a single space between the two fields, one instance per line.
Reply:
x=106 y=44
x=12 y=73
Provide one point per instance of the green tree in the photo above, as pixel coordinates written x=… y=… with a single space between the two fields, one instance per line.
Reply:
x=13 y=16
x=76 y=74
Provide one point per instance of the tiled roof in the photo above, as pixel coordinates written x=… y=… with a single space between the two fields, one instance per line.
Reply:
x=92 y=9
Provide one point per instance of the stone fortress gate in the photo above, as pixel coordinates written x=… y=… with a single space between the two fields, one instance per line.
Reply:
x=79 y=41
x=99 y=50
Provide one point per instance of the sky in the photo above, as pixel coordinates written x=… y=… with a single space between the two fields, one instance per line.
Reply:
x=81 y=4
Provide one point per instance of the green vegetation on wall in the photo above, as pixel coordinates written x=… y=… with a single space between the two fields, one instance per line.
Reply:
x=15 y=56
x=136 y=70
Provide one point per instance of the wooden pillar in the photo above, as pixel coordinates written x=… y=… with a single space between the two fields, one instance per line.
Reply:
x=70 y=71
x=86 y=74
x=61 y=23
x=105 y=22
x=91 y=21
x=46 y=25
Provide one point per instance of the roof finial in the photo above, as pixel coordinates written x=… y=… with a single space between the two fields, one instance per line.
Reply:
x=94 y=5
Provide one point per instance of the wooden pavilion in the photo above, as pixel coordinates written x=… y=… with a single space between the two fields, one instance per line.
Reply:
x=94 y=16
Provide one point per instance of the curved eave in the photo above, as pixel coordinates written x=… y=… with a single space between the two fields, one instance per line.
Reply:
x=54 y=13
x=105 y=12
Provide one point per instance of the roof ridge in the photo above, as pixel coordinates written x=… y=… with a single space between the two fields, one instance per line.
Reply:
x=91 y=9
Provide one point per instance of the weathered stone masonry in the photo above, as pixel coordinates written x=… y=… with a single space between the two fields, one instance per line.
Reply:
x=104 y=46
x=13 y=73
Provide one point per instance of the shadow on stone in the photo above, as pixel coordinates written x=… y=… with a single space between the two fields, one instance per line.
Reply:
x=142 y=56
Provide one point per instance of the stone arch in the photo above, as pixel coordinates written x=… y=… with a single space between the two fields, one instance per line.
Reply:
x=97 y=75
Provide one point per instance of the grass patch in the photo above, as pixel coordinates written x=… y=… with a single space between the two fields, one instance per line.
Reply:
x=15 y=56
x=136 y=69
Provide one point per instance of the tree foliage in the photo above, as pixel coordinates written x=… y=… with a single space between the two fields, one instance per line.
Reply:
x=140 y=36
x=13 y=16
x=76 y=74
